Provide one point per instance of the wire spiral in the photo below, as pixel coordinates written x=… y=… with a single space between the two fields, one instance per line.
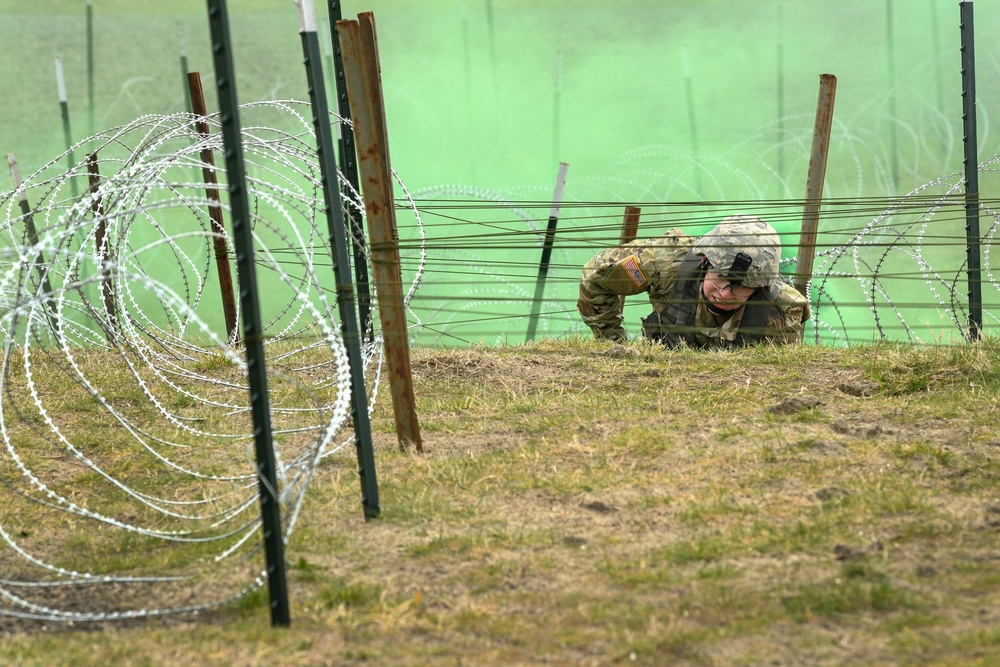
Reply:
x=125 y=402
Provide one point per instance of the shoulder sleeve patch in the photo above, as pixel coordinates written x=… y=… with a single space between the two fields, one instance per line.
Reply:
x=631 y=266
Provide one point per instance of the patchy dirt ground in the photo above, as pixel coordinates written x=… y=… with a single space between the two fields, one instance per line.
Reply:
x=580 y=504
x=800 y=509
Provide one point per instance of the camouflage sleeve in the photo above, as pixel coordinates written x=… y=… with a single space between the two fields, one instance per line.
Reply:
x=636 y=267
x=788 y=317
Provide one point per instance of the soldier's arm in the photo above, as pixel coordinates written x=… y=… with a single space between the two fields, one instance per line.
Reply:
x=660 y=262
x=640 y=266
x=788 y=317
x=611 y=274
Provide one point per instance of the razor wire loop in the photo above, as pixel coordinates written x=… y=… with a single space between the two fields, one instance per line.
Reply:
x=158 y=252
x=173 y=356
x=872 y=247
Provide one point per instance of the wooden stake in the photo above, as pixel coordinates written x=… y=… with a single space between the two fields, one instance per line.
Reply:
x=814 y=184
x=214 y=209
x=101 y=245
x=630 y=228
x=359 y=45
x=630 y=224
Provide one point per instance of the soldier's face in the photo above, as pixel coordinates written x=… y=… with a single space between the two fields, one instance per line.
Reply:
x=723 y=294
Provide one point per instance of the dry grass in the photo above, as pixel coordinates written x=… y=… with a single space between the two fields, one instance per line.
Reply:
x=587 y=504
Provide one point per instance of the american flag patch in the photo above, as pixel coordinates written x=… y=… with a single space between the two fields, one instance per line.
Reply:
x=631 y=266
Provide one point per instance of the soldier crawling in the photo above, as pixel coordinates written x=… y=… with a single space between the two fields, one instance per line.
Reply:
x=721 y=290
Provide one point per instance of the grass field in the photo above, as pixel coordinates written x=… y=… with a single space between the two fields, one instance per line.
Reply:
x=580 y=503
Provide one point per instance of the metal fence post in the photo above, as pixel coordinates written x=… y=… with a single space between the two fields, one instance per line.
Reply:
x=253 y=338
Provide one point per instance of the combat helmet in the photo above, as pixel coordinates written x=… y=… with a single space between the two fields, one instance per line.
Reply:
x=742 y=249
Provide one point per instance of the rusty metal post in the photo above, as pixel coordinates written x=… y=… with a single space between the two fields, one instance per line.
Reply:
x=219 y=245
x=630 y=224
x=101 y=246
x=359 y=45
x=630 y=228
x=814 y=182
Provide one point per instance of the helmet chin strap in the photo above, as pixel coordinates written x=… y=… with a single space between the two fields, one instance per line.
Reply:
x=715 y=310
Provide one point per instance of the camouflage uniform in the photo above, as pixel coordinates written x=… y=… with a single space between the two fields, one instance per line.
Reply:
x=651 y=266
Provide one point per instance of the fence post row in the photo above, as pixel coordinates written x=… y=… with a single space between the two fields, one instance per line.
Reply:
x=225 y=79
x=364 y=90
x=341 y=260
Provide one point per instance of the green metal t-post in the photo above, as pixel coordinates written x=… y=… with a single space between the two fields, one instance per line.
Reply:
x=270 y=508
x=341 y=260
x=973 y=257
x=543 y=266
x=90 y=63
x=349 y=167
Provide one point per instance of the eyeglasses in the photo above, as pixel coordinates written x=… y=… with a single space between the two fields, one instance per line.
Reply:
x=737 y=292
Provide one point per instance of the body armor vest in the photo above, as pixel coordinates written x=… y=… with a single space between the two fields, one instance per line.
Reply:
x=676 y=323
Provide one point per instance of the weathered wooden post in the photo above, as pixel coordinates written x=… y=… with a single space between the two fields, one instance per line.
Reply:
x=219 y=236
x=814 y=182
x=101 y=247
x=630 y=229
x=64 y=113
x=630 y=224
x=359 y=45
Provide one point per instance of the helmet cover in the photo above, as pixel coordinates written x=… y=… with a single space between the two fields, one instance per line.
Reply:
x=742 y=249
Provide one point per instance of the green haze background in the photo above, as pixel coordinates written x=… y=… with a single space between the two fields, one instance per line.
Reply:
x=709 y=101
